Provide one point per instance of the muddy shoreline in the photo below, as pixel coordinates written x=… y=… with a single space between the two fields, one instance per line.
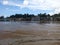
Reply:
x=25 y=37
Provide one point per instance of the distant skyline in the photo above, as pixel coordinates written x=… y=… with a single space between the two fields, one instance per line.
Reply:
x=10 y=7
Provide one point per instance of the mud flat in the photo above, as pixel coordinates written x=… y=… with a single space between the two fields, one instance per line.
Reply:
x=25 y=37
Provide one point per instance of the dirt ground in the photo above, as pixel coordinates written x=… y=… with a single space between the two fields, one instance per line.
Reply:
x=21 y=37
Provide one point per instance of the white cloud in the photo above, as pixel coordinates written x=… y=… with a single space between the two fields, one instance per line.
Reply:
x=25 y=3
x=38 y=4
x=5 y=2
x=45 y=5
x=11 y=3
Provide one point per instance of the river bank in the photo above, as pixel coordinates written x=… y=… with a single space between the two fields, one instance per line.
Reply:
x=21 y=37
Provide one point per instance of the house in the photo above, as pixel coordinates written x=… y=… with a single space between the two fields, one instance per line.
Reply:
x=36 y=18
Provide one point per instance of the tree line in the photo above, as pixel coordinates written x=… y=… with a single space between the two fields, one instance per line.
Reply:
x=28 y=17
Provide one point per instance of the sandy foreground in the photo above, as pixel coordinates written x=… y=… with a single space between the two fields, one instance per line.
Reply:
x=21 y=37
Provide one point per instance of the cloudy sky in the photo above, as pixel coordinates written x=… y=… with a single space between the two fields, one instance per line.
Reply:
x=9 y=7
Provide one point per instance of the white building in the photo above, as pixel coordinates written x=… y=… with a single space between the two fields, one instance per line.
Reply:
x=36 y=18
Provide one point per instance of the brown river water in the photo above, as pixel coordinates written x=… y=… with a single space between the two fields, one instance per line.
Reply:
x=29 y=26
x=34 y=33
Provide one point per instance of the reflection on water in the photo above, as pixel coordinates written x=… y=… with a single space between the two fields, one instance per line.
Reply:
x=29 y=26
